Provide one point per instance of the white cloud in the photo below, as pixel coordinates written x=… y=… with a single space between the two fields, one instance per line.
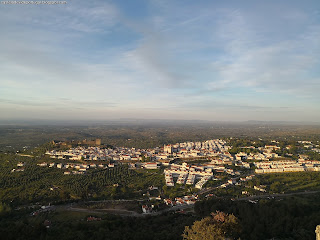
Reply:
x=281 y=66
x=192 y=62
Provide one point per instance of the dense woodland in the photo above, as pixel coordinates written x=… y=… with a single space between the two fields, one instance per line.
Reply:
x=282 y=218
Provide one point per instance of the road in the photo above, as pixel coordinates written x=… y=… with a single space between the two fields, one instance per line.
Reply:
x=275 y=195
x=121 y=212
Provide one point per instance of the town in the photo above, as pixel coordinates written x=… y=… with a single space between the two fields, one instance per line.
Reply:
x=188 y=163
x=175 y=178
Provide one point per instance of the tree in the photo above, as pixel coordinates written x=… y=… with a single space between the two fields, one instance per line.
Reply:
x=275 y=187
x=4 y=208
x=218 y=226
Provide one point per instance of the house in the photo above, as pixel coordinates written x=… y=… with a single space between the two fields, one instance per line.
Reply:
x=260 y=188
x=91 y=219
x=151 y=165
x=47 y=223
x=232 y=181
x=59 y=165
x=44 y=164
x=146 y=209
x=180 y=201
x=168 y=202
x=20 y=164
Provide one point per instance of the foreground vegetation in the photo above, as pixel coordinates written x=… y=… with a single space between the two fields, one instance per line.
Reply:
x=74 y=225
x=280 y=218
x=284 y=218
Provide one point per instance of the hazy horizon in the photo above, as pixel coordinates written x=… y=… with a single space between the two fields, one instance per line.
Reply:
x=146 y=122
x=228 y=61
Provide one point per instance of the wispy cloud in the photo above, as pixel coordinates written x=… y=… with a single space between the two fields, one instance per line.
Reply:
x=284 y=66
x=205 y=58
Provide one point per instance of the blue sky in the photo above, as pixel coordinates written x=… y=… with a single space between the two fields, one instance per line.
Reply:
x=204 y=60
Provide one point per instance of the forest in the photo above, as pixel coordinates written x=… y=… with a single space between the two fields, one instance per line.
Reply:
x=281 y=218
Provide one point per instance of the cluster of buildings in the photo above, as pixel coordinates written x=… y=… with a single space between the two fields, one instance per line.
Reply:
x=151 y=158
x=185 y=200
x=209 y=148
x=310 y=145
x=263 y=153
x=75 y=168
x=236 y=181
x=269 y=151
x=300 y=165
x=198 y=175
x=216 y=150
x=80 y=153
x=145 y=165
x=187 y=174
x=184 y=150
x=20 y=167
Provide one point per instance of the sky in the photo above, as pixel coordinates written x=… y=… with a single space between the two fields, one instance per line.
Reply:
x=161 y=59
